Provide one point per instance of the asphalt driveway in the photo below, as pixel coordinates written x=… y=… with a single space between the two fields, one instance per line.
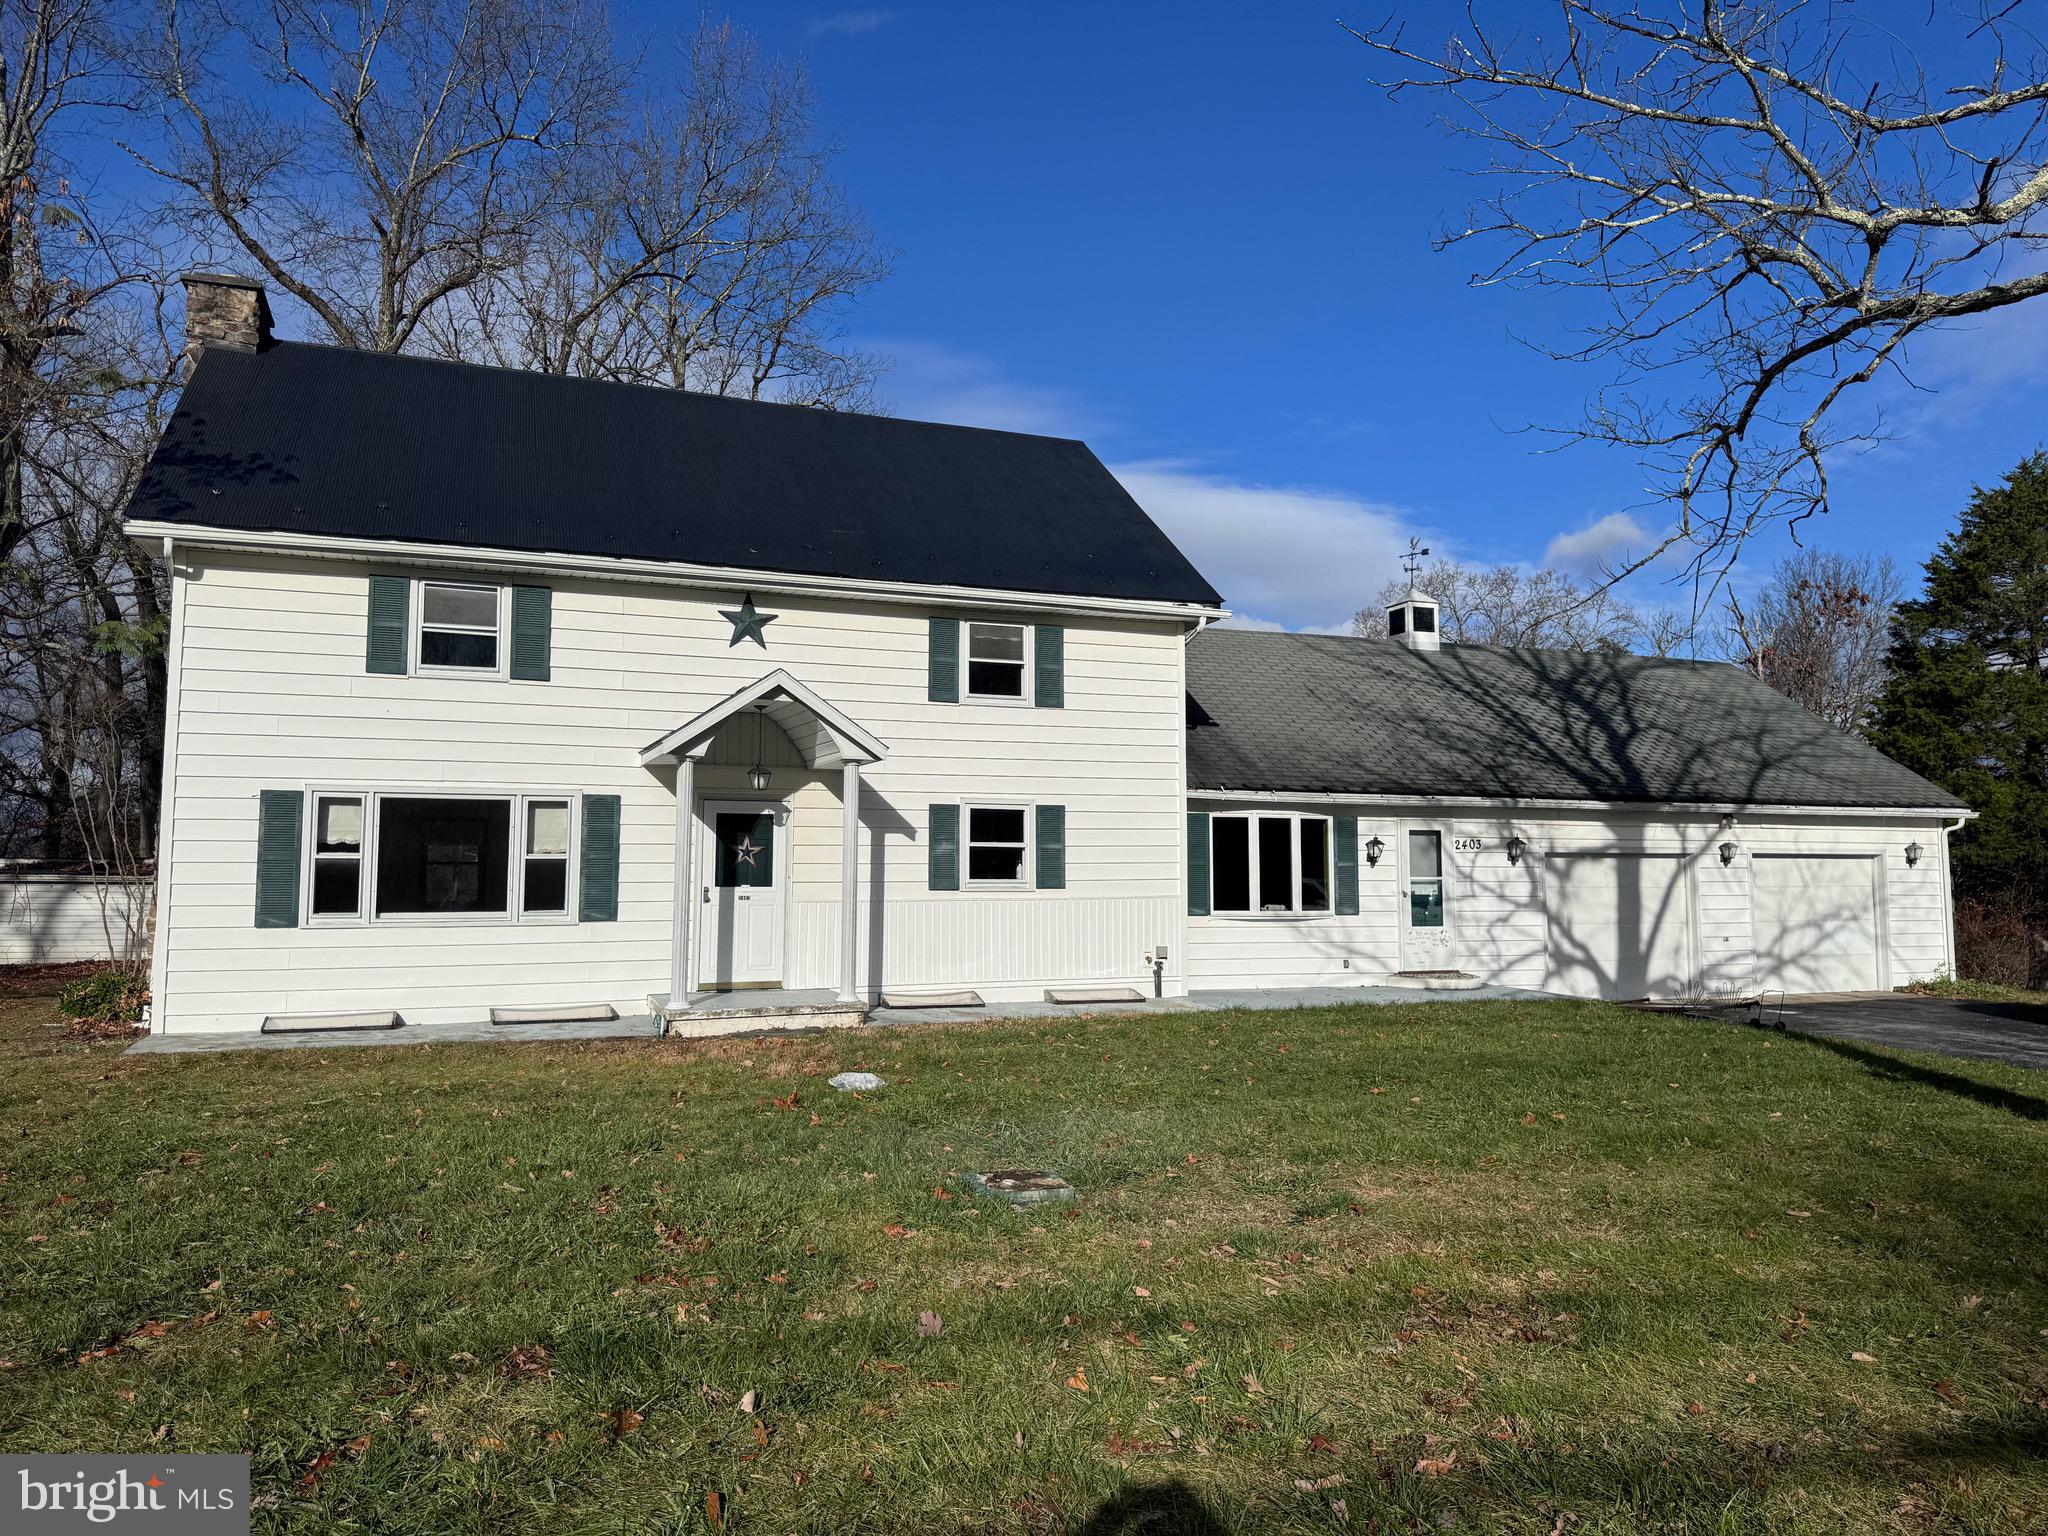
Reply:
x=2013 y=1033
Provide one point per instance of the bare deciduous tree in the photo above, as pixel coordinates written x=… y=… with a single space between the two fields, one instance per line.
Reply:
x=1819 y=630
x=397 y=152
x=1545 y=610
x=707 y=249
x=1771 y=199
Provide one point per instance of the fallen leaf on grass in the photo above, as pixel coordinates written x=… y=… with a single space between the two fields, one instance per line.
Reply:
x=1437 y=1466
x=714 y=1509
x=1317 y=1484
x=930 y=1325
x=1139 y=1290
x=896 y=1229
x=1861 y=1358
x=865 y=1287
x=1079 y=1380
x=1949 y=1394
x=761 y=1434
x=623 y=1421
x=749 y=1400
x=1318 y=1443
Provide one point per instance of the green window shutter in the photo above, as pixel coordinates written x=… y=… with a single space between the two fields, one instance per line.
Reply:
x=1344 y=833
x=390 y=598
x=599 y=896
x=943 y=856
x=532 y=633
x=1198 y=863
x=1052 y=848
x=944 y=686
x=1049 y=666
x=278 y=813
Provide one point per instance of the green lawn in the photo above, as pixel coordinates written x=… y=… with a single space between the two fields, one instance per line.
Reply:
x=1527 y=1267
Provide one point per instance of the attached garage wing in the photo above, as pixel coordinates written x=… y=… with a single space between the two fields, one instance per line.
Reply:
x=1816 y=923
x=1620 y=925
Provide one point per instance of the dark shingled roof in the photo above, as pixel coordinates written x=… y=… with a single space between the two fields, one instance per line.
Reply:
x=323 y=440
x=1331 y=715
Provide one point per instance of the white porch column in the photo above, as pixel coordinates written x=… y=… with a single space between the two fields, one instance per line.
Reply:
x=686 y=887
x=849 y=885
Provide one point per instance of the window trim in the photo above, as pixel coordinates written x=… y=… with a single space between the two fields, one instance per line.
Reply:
x=515 y=878
x=416 y=629
x=1027 y=868
x=1026 y=667
x=1295 y=911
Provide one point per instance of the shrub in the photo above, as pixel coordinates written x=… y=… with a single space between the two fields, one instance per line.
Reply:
x=107 y=998
x=1992 y=943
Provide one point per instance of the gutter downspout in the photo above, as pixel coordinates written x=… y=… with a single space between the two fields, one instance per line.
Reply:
x=1948 y=891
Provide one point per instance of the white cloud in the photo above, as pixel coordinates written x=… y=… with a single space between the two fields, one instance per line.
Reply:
x=1599 y=546
x=851 y=23
x=1292 y=557
x=931 y=382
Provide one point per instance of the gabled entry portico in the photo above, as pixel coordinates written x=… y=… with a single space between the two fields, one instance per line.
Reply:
x=823 y=737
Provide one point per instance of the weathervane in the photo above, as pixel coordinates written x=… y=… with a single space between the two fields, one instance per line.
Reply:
x=1412 y=561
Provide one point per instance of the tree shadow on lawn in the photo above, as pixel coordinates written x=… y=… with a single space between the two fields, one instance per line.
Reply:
x=2026 y=1106
x=1159 y=1507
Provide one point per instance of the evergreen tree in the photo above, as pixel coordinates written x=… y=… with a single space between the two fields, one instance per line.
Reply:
x=1967 y=705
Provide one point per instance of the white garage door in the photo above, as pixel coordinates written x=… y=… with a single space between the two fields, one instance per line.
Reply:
x=1620 y=925
x=1816 y=923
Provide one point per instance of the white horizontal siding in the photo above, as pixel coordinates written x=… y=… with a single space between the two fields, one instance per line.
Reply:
x=1497 y=908
x=272 y=694
x=46 y=919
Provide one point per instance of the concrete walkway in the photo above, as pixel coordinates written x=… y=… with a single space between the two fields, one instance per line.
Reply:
x=647 y=1027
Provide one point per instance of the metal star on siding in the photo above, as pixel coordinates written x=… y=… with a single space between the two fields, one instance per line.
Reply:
x=746 y=623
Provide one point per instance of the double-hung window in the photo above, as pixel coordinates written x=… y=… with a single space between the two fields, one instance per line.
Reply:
x=458 y=626
x=544 y=881
x=337 y=856
x=996 y=847
x=1270 y=862
x=995 y=661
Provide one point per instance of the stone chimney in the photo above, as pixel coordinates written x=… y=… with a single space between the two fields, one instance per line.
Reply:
x=224 y=311
x=1412 y=621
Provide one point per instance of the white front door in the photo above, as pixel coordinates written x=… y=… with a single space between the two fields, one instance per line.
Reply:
x=1428 y=942
x=740 y=938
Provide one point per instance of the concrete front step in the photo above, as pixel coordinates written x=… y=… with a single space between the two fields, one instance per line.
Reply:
x=1434 y=981
x=739 y=1013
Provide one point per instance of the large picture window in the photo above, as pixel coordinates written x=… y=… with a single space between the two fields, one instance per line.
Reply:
x=442 y=856
x=1271 y=862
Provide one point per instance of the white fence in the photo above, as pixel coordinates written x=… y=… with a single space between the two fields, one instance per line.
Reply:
x=49 y=918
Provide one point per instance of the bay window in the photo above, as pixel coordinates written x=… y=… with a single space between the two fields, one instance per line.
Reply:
x=1269 y=862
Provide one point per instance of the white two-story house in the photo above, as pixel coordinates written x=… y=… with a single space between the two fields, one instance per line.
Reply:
x=495 y=691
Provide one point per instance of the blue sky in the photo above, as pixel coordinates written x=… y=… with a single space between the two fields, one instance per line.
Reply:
x=1194 y=235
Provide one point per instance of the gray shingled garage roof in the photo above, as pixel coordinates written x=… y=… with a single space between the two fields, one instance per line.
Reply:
x=1326 y=714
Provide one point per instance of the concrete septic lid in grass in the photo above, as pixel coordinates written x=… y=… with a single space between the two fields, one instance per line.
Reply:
x=1021 y=1186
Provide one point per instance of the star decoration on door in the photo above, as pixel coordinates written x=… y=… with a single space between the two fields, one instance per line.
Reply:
x=747 y=623
x=746 y=850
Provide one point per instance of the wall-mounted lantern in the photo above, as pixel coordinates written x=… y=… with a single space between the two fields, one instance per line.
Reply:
x=1373 y=850
x=1913 y=852
x=1727 y=854
x=1515 y=847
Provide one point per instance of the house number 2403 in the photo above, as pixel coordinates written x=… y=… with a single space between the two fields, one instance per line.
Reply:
x=1468 y=844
